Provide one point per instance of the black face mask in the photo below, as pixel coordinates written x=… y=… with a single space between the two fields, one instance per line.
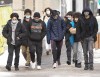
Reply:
x=37 y=20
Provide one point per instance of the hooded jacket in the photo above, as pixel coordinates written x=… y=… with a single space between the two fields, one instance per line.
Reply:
x=37 y=30
x=89 y=26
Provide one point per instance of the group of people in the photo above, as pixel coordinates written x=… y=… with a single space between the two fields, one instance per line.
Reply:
x=78 y=29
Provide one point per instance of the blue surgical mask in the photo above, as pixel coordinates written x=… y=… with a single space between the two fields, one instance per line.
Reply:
x=69 y=18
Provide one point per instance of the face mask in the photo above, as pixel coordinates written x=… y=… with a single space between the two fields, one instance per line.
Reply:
x=27 y=16
x=37 y=20
x=14 y=21
x=69 y=18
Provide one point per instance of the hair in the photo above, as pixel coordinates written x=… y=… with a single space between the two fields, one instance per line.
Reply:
x=54 y=13
x=70 y=13
x=27 y=11
x=47 y=8
x=14 y=15
x=76 y=14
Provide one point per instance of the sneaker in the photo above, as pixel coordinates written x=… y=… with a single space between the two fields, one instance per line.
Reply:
x=39 y=67
x=27 y=65
x=33 y=65
x=54 y=65
x=8 y=68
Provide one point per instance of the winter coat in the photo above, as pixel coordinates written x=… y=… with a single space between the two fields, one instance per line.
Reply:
x=89 y=26
x=25 y=27
x=55 y=29
x=19 y=33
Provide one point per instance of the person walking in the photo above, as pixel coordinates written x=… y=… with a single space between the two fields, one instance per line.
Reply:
x=26 y=22
x=37 y=32
x=89 y=28
x=55 y=36
x=13 y=32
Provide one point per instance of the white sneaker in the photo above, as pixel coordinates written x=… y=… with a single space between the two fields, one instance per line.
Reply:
x=54 y=65
x=39 y=67
x=33 y=65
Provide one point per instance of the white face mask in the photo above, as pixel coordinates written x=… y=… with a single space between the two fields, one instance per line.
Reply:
x=14 y=21
x=27 y=16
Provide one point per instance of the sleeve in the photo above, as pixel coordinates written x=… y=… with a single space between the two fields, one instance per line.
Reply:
x=23 y=31
x=5 y=31
x=48 y=31
x=44 y=30
x=95 y=27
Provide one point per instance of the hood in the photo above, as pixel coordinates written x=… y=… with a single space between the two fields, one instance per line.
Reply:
x=87 y=9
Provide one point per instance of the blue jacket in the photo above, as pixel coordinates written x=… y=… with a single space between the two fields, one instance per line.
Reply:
x=72 y=36
x=55 y=29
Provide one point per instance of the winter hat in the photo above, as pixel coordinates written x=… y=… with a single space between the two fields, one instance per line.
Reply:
x=36 y=14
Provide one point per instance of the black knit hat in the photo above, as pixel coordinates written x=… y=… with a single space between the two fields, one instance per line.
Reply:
x=36 y=14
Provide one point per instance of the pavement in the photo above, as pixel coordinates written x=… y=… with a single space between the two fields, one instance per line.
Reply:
x=47 y=71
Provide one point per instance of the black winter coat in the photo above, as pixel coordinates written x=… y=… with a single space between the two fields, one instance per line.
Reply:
x=19 y=33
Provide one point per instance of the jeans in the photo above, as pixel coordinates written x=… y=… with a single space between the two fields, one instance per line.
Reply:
x=88 y=50
x=11 y=49
x=56 y=50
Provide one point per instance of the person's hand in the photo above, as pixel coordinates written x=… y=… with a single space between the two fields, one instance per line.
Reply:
x=72 y=30
x=18 y=38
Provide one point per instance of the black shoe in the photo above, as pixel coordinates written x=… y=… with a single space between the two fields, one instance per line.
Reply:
x=68 y=62
x=86 y=68
x=8 y=68
x=47 y=52
x=79 y=65
x=16 y=69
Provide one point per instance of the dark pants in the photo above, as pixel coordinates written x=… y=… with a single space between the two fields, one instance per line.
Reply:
x=11 y=49
x=36 y=46
x=56 y=50
x=68 y=51
x=88 y=50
